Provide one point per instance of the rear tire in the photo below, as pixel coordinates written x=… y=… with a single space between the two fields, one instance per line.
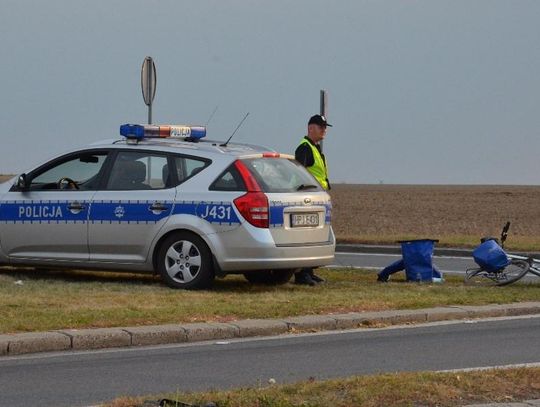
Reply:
x=185 y=261
x=270 y=277
x=510 y=274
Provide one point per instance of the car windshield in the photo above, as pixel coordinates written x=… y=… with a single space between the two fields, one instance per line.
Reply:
x=281 y=175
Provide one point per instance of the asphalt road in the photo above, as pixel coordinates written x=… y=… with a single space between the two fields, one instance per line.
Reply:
x=86 y=378
x=454 y=265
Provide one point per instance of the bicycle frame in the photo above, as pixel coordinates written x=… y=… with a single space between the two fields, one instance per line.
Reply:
x=534 y=263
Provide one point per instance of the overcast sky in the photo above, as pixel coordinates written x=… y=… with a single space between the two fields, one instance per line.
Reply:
x=419 y=91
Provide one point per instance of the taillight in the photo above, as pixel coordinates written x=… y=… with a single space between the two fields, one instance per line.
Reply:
x=253 y=206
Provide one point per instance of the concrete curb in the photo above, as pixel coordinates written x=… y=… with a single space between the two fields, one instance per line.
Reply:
x=97 y=338
x=87 y=339
x=19 y=344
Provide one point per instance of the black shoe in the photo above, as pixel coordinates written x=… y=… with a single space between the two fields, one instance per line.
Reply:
x=303 y=278
x=381 y=279
x=317 y=279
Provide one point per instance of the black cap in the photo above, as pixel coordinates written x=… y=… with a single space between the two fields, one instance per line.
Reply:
x=320 y=120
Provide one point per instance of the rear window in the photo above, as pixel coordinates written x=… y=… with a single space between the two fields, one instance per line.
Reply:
x=281 y=175
x=229 y=180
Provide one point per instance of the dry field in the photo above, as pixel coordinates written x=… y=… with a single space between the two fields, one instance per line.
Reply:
x=457 y=215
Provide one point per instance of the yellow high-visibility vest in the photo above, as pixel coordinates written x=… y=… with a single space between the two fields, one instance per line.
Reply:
x=318 y=169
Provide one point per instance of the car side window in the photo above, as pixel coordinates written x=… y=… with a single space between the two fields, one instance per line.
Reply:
x=132 y=171
x=187 y=167
x=77 y=172
x=229 y=180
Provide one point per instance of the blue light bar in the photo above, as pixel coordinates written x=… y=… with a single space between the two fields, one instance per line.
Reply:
x=139 y=131
x=132 y=131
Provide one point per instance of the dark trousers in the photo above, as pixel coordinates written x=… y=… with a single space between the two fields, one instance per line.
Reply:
x=392 y=268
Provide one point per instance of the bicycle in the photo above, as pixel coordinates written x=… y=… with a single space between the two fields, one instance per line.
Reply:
x=498 y=268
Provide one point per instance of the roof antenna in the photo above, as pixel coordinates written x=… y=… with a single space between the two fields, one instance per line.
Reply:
x=211 y=116
x=235 y=130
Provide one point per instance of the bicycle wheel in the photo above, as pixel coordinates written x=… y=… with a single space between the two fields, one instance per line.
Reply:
x=511 y=273
x=480 y=277
x=514 y=271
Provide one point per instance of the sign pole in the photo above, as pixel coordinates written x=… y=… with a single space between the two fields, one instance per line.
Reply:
x=148 y=85
x=150 y=113
x=324 y=103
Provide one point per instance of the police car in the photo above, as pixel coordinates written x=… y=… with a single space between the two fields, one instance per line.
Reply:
x=163 y=199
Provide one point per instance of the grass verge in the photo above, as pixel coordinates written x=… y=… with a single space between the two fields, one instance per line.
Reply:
x=399 y=389
x=33 y=300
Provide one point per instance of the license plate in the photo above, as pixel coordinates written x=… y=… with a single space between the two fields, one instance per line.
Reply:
x=304 y=219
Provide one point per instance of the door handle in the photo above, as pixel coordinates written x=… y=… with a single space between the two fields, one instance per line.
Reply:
x=158 y=207
x=75 y=206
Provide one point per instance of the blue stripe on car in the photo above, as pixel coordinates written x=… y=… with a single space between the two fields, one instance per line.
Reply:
x=219 y=212
x=276 y=212
x=134 y=211
x=41 y=212
x=114 y=211
x=127 y=211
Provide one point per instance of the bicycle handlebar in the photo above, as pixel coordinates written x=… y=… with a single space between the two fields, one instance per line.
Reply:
x=504 y=233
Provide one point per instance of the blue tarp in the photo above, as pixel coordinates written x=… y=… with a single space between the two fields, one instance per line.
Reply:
x=417 y=261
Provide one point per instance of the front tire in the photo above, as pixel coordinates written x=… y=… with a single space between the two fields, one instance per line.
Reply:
x=185 y=261
x=270 y=277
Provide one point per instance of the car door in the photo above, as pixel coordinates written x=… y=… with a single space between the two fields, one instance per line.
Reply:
x=48 y=219
x=135 y=203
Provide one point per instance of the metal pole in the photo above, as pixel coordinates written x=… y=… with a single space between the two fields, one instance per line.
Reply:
x=149 y=75
x=324 y=103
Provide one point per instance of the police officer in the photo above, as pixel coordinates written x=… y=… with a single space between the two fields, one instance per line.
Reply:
x=310 y=155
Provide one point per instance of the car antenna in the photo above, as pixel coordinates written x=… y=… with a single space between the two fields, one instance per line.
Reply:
x=235 y=130
x=211 y=116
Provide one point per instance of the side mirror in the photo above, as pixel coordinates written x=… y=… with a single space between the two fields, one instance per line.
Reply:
x=22 y=182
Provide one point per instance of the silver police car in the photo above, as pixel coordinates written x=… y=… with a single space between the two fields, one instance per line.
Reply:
x=162 y=199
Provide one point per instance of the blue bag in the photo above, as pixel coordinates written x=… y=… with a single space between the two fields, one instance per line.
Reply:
x=490 y=256
x=418 y=259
